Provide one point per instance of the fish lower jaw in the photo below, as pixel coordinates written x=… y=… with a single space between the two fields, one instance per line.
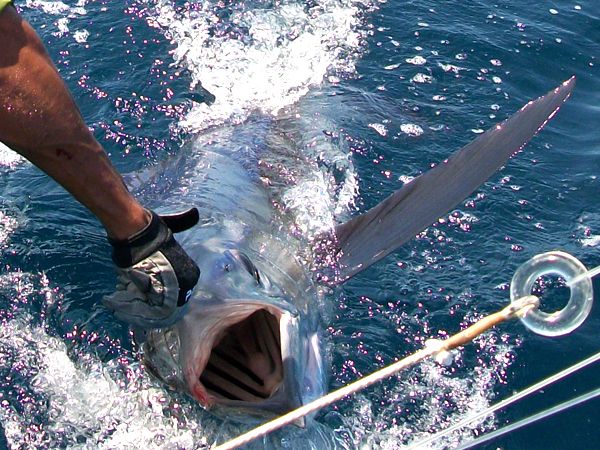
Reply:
x=244 y=366
x=201 y=395
x=196 y=389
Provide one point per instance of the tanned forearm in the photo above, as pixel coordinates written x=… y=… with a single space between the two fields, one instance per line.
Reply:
x=39 y=120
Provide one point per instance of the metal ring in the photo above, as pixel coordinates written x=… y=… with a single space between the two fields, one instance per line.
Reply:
x=580 y=302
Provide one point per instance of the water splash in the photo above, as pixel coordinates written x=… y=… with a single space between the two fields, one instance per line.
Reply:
x=11 y=219
x=56 y=402
x=261 y=58
x=65 y=13
x=9 y=158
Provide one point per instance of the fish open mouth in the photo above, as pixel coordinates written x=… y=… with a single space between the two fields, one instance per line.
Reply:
x=245 y=364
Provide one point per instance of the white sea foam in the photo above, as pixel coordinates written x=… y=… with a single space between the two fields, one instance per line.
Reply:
x=281 y=53
x=450 y=68
x=416 y=60
x=411 y=129
x=430 y=398
x=49 y=7
x=57 y=7
x=380 y=128
x=8 y=157
x=421 y=78
x=65 y=12
x=587 y=229
x=63 y=26
x=87 y=404
x=7 y=225
x=81 y=36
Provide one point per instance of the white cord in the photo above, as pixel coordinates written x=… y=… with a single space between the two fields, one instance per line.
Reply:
x=519 y=395
x=539 y=416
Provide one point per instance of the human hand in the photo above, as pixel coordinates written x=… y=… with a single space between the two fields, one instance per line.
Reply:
x=156 y=276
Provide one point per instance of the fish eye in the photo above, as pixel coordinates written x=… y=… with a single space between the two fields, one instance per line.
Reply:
x=246 y=263
x=250 y=267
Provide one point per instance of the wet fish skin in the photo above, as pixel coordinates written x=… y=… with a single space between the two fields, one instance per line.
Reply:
x=256 y=293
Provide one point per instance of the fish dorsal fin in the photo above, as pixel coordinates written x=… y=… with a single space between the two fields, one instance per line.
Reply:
x=371 y=236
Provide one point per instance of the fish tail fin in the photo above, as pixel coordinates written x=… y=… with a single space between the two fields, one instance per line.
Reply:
x=367 y=238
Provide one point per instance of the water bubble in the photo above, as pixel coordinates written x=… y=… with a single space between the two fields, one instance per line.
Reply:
x=416 y=60
x=411 y=129
x=380 y=128
x=422 y=78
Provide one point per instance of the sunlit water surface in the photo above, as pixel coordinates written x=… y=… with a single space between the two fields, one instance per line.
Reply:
x=361 y=96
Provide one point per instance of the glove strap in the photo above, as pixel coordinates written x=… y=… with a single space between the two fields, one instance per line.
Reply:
x=181 y=221
x=140 y=245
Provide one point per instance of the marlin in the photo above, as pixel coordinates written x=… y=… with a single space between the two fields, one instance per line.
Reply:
x=249 y=338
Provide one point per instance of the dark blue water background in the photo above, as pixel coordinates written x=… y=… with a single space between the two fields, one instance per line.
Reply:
x=481 y=61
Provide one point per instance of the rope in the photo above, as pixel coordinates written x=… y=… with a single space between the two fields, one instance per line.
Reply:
x=519 y=395
x=515 y=309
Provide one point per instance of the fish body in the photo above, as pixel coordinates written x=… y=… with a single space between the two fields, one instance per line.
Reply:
x=248 y=340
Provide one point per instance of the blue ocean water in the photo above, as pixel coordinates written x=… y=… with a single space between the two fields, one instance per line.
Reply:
x=376 y=92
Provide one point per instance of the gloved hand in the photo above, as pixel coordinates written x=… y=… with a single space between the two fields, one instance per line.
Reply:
x=156 y=276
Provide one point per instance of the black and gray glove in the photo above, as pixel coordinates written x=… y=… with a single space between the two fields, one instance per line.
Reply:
x=155 y=274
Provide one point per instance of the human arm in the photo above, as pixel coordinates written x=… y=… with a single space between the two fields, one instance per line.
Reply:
x=40 y=120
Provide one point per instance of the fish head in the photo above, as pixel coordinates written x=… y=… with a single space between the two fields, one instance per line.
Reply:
x=242 y=344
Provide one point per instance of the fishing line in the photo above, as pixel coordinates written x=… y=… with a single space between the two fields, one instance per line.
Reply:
x=590 y=273
x=518 y=396
x=531 y=419
x=523 y=306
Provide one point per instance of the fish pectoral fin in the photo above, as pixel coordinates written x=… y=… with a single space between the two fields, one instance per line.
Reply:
x=371 y=236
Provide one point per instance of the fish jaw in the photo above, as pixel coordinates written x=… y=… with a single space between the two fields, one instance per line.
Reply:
x=193 y=359
x=198 y=333
x=231 y=355
x=198 y=391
